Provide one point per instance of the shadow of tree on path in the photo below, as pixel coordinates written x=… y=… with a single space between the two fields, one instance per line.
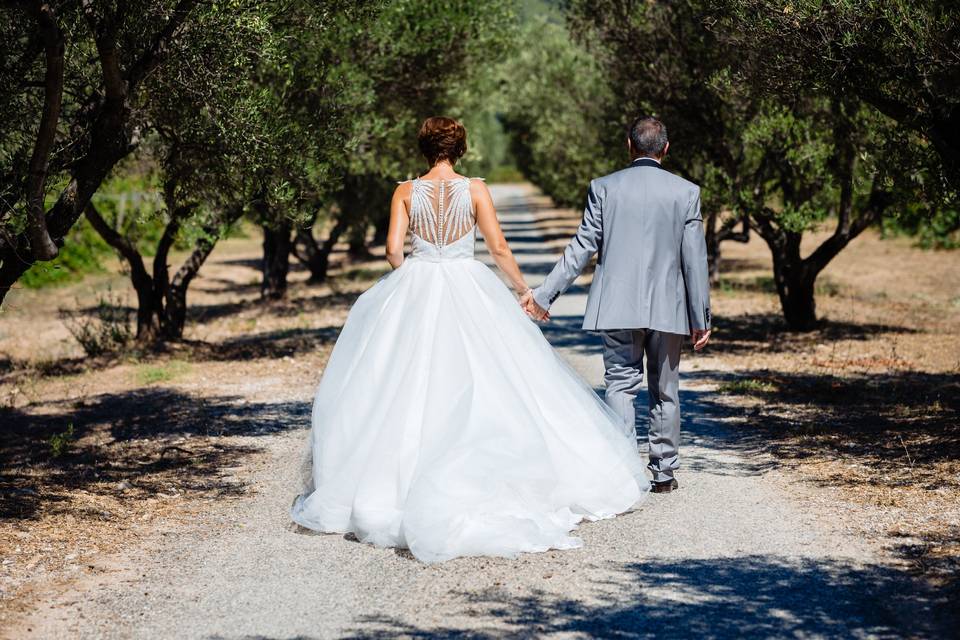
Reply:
x=745 y=597
x=768 y=332
x=145 y=437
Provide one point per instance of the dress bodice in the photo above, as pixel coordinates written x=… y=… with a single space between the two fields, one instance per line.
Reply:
x=442 y=219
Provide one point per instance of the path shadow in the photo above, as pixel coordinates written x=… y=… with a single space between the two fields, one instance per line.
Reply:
x=768 y=332
x=143 y=437
x=744 y=597
x=738 y=265
x=870 y=416
x=200 y=313
x=267 y=344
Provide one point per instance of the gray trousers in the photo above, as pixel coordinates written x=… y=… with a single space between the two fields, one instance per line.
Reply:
x=623 y=353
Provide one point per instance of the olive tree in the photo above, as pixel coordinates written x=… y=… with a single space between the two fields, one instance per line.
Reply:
x=208 y=147
x=783 y=161
x=897 y=56
x=411 y=60
x=75 y=77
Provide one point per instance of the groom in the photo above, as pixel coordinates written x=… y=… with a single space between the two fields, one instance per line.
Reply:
x=651 y=286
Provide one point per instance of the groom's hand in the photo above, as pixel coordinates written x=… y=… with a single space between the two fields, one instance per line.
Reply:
x=537 y=312
x=700 y=338
x=531 y=307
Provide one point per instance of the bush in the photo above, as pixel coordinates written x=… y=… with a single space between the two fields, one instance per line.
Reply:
x=60 y=442
x=108 y=330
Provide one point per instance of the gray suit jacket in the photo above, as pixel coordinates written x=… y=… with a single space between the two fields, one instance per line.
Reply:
x=645 y=224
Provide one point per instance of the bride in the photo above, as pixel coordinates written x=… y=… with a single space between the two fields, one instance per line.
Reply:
x=445 y=423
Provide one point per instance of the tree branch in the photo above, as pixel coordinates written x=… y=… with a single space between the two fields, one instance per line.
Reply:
x=764 y=218
x=113 y=238
x=161 y=270
x=41 y=244
x=877 y=203
x=159 y=48
x=726 y=231
x=191 y=266
x=104 y=36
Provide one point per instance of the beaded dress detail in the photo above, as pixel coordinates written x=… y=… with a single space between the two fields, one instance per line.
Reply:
x=445 y=423
x=442 y=220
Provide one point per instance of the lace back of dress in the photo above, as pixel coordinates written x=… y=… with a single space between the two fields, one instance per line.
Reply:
x=441 y=211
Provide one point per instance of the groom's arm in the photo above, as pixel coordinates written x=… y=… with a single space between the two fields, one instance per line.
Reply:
x=577 y=254
x=696 y=275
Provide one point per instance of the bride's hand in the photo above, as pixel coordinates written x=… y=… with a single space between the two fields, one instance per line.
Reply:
x=531 y=308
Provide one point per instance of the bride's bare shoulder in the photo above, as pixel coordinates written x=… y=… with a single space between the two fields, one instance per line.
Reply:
x=403 y=189
x=478 y=187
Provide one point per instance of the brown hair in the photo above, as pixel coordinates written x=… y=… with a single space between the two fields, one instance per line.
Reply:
x=442 y=138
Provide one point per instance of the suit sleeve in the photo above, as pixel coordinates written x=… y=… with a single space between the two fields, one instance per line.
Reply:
x=575 y=257
x=696 y=275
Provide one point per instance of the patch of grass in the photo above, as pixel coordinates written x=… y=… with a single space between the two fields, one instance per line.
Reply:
x=164 y=372
x=747 y=386
x=766 y=284
x=826 y=287
x=361 y=274
x=759 y=284
x=60 y=442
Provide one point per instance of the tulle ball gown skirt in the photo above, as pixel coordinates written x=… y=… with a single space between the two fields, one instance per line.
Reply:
x=446 y=424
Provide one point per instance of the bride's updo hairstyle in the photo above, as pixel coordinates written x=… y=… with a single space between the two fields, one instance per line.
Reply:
x=442 y=138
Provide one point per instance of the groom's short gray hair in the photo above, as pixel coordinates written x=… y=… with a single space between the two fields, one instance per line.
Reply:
x=648 y=137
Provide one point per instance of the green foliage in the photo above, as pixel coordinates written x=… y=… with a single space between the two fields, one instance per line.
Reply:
x=84 y=252
x=131 y=201
x=60 y=443
x=412 y=60
x=747 y=386
x=164 y=372
x=936 y=227
x=898 y=56
x=558 y=114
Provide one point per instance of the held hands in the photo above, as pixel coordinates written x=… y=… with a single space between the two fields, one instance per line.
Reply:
x=700 y=338
x=531 y=308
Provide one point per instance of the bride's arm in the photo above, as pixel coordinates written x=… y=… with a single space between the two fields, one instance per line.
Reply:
x=399 y=219
x=493 y=236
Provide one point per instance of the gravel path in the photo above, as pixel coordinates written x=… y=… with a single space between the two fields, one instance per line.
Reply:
x=737 y=552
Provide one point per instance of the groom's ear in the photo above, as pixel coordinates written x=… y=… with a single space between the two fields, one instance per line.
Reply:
x=666 y=148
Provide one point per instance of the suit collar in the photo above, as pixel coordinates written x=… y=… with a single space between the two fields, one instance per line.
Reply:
x=646 y=162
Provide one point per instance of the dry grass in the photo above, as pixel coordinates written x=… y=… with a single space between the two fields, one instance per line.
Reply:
x=867 y=407
x=98 y=453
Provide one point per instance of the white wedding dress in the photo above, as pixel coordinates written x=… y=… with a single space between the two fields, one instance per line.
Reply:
x=445 y=423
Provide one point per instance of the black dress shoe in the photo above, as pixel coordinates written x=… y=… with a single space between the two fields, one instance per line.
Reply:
x=664 y=487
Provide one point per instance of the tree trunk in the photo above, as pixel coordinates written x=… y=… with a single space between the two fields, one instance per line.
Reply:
x=41 y=244
x=174 y=316
x=316 y=256
x=174 y=313
x=15 y=260
x=716 y=236
x=276 y=260
x=148 y=314
x=358 y=241
x=713 y=248
x=380 y=227
x=794 y=276
x=148 y=303
x=797 y=299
